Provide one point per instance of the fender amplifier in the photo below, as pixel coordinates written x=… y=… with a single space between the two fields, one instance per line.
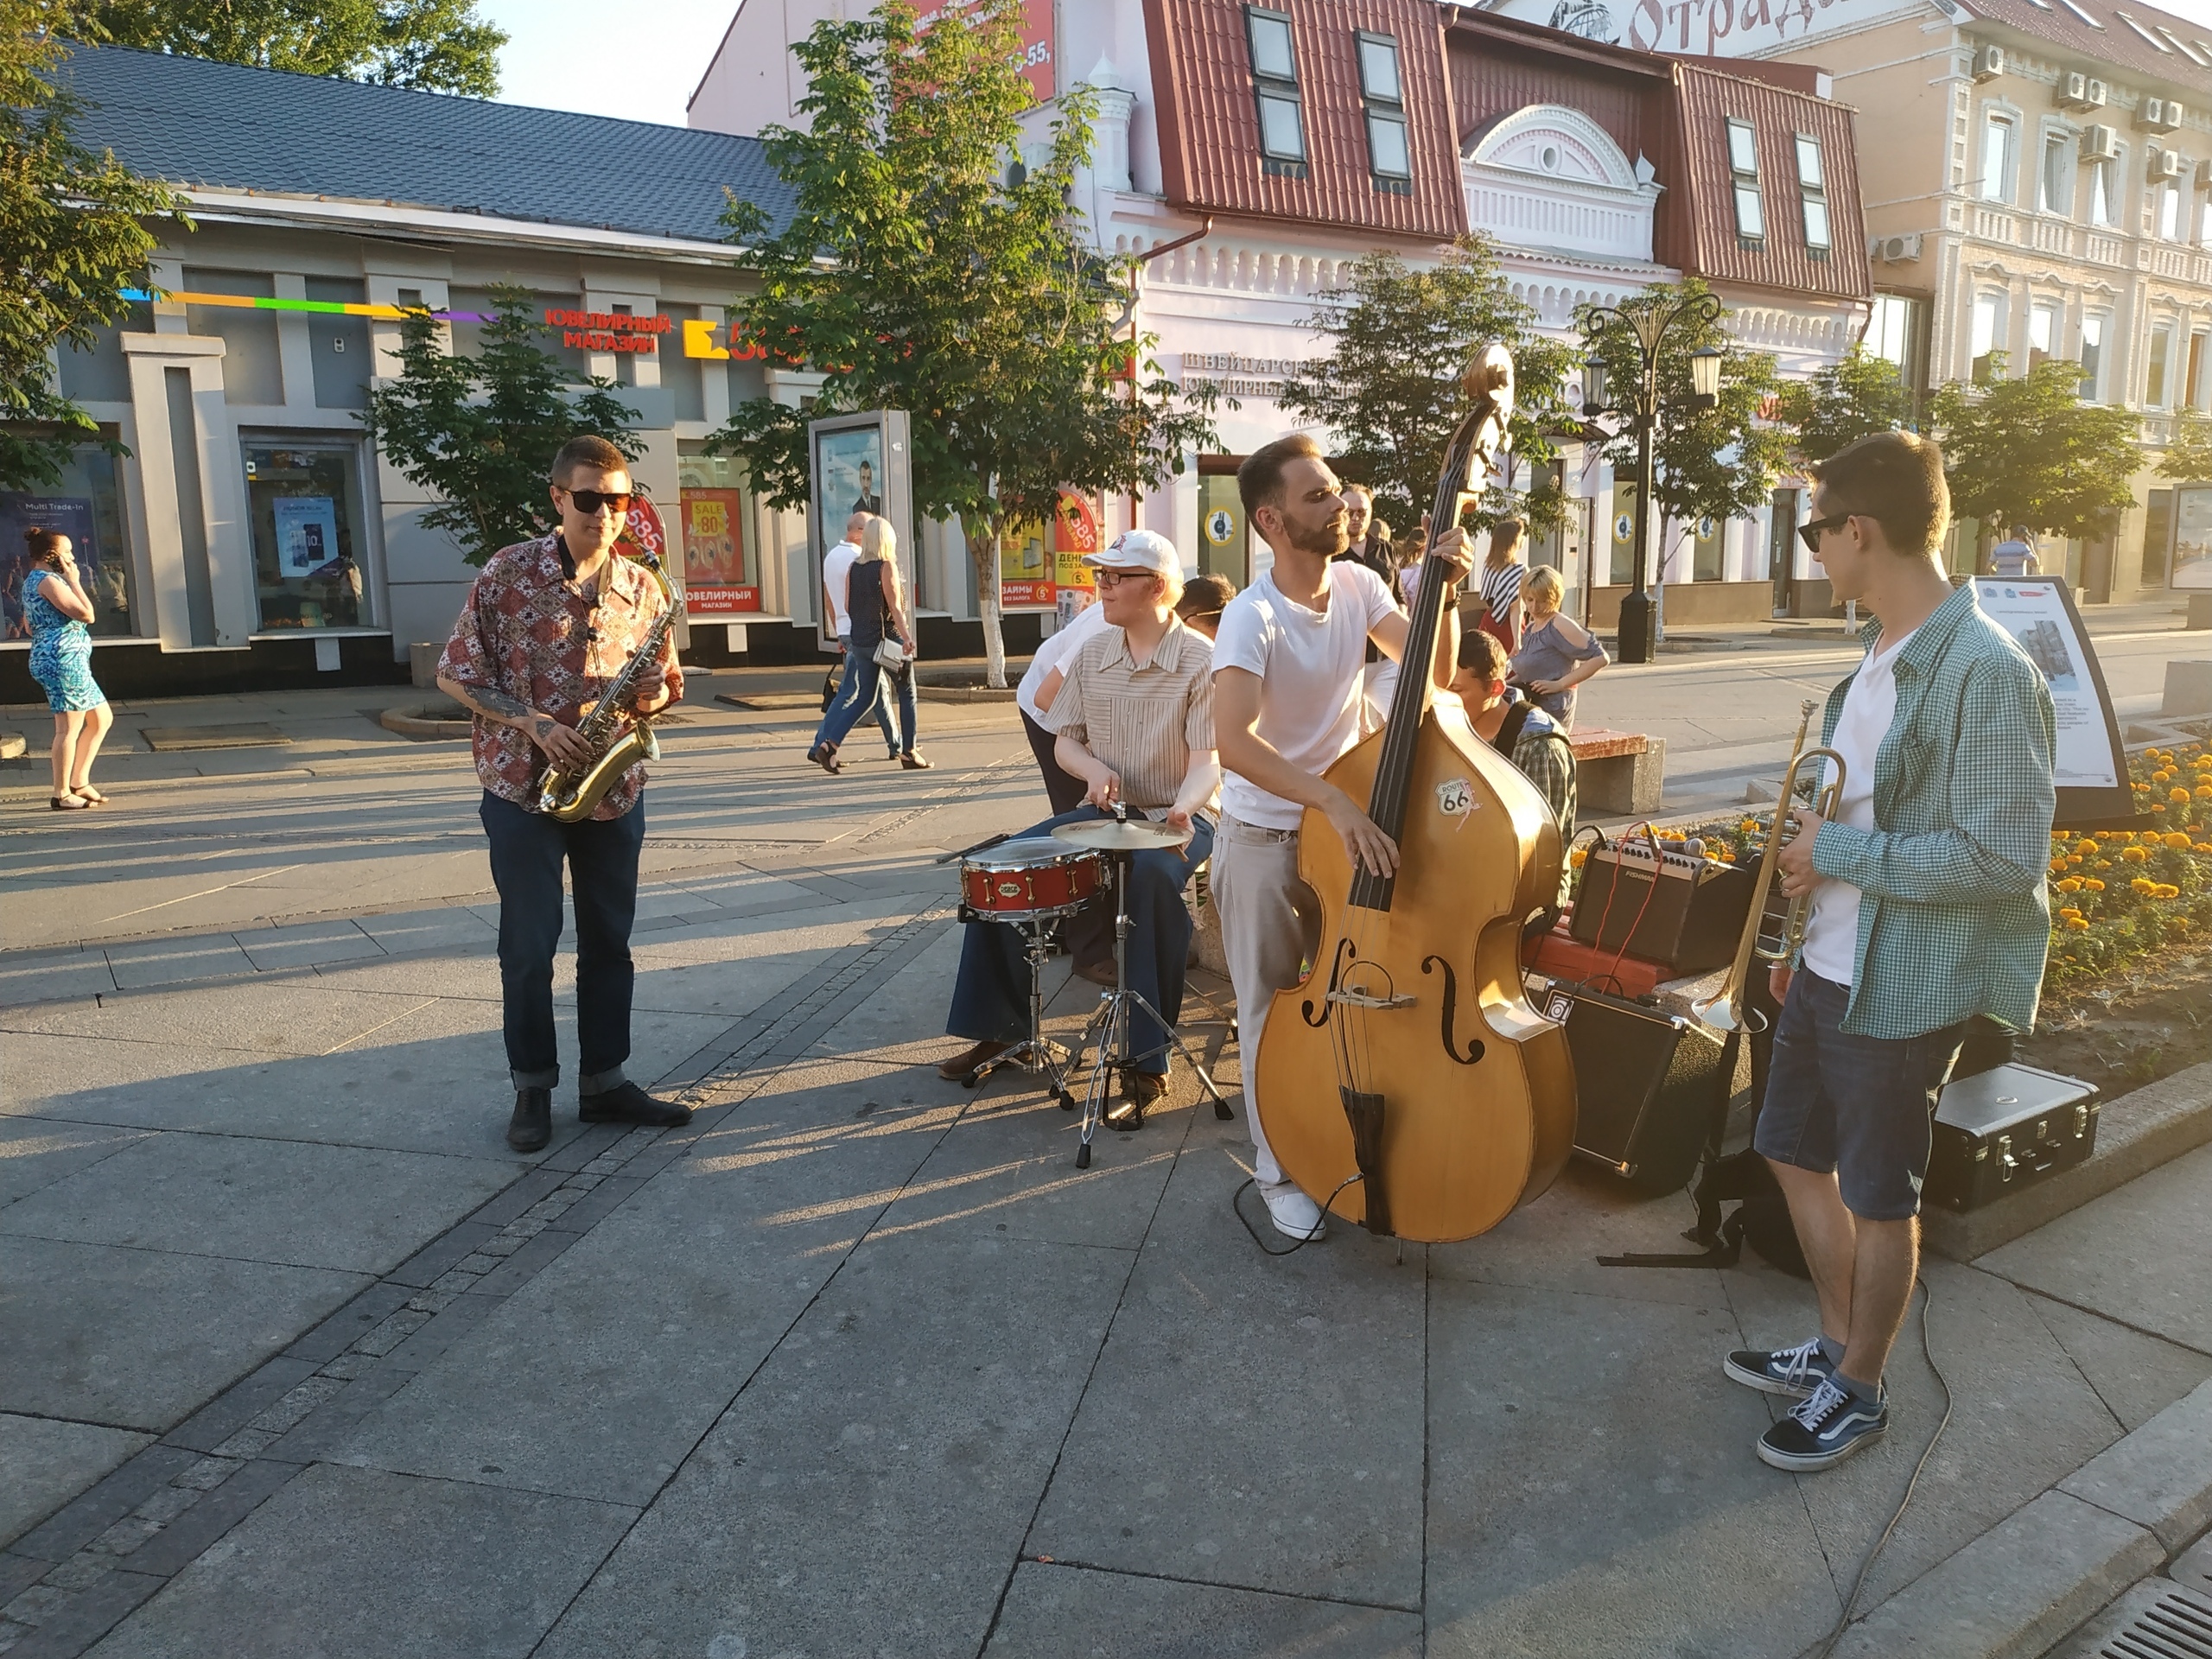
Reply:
x=1647 y=1085
x=1691 y=924
x=2006 y=1129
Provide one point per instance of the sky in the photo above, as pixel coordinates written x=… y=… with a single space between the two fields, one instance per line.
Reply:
x=564 y=55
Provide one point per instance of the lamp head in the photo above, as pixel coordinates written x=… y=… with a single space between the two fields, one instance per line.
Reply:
x=1593 y=388
x=1705 y=376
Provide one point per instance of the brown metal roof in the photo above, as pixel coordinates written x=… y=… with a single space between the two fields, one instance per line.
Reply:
x=2111 y=41
x=1706 y=101
x=1209 y=123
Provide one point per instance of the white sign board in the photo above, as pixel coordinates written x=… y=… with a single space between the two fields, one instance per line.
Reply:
x=2091 y=769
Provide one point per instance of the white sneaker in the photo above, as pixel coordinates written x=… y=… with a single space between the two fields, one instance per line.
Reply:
x=1295 y=1215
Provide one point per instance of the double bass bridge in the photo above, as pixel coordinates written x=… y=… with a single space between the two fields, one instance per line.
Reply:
x=1354 y=999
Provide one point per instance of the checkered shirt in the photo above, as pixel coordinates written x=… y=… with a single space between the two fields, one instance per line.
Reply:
x=1953 y=921
x=1543 y=754
x=523 y=631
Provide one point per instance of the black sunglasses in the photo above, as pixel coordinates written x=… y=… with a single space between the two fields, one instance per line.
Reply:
x=1810 y=533
x=589 y=502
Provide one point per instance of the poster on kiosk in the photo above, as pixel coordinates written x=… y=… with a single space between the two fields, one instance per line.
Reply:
x=859 y=463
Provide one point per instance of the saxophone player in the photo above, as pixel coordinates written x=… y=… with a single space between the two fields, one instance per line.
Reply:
x=546 y=625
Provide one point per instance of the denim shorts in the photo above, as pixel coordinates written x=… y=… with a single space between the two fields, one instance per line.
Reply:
x=1857 y=1107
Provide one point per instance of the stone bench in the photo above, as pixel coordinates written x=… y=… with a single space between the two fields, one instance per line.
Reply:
x=1617 y=772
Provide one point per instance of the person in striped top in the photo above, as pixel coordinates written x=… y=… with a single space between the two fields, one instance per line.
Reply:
x=1132 y=720
x=1504 y=571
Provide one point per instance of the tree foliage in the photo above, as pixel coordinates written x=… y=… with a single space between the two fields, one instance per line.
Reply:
x=428 y=46
x=482 y=431
x=72 y=238
x=2029 y=451
x=1855 y=396
x=1389 y=388
x=1719 y=463
x=917 y=272
x=2188 y=458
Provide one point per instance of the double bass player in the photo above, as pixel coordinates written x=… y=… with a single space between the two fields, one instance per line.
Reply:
x=1286 y=691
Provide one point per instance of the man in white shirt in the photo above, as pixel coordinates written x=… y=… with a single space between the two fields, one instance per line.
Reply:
x=837 y=575
x=1287 y=663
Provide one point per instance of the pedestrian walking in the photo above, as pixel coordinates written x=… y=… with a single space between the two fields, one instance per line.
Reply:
x=1557 y=653
x=547 y=623
x=2015 y=555
x=881 y=643
x=58 y=611
x=836 y=570
x=1505 y=570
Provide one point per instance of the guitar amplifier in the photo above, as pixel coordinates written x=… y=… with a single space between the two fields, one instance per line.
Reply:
x=1647 y=1084
x=1691 y=922
x=2004 y=1129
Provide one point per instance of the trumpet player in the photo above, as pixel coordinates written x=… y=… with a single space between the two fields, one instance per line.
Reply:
x=1927 y=909
x=546 y=625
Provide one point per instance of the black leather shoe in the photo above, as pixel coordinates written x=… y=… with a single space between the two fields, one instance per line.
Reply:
x=1142 y=1089
x=532 y=1126
x=627 y=1103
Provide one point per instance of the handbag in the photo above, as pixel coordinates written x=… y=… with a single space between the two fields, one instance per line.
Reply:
x=890 y=653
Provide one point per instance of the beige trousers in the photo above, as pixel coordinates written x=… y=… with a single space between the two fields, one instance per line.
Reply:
x=1270 y=925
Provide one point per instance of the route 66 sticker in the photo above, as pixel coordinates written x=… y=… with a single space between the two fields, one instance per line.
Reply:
x=1455 y=798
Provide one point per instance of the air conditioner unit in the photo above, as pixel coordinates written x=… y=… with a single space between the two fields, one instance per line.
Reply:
x=1988 y=62
x=2166 y=166
x=2081 y=91
x=2100 y=145
x=1894 y=250
x=2159 y=114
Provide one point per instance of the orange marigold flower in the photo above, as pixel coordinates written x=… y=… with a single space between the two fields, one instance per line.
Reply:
x=2077 y=924
x=2176 y=793
x=2204 y=791
x=2143 y=884
x=2071 y=884
x=2178 y=842
x=1575 y=858
x=2101 y=864
x=2069 y=910
x=2085 y=847
x=2135 y=856
x=2093 y=884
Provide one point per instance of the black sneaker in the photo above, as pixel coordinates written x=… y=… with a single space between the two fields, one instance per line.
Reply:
x=532 y=1126
x=1823 y=1431
x=627 y=1103
x=1793 y=1373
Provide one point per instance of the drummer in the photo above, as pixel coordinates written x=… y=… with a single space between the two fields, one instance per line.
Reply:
x=1134 y=721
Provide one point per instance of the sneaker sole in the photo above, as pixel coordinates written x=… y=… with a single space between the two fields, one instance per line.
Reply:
x=1798 y=1464
x=1764 y=1383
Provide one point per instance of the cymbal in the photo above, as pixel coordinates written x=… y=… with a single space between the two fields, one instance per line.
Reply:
x=1113 y=835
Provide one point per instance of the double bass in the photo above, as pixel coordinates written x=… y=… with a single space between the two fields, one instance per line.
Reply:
x=1407 y=1074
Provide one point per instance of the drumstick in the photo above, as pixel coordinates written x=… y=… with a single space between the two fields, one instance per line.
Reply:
x=977 y=848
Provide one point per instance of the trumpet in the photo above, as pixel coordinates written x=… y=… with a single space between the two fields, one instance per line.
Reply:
x=1729 y=1009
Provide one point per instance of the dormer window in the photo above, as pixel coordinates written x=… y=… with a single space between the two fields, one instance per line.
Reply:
x=1274 y=84
x=1389 y=153
x=1744 y=173
x=1812 y=191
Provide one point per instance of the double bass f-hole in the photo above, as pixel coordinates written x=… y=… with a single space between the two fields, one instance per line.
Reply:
x=1450 y=1001
x=1318 y=1017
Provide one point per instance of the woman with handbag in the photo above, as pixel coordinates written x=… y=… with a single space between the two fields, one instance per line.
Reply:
x=882 y=648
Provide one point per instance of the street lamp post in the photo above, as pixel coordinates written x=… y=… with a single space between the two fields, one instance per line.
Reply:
x=1639 y=403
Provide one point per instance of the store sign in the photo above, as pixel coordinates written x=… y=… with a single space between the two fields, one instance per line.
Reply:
x=608 y=331
x=1033 y=56
x=714 y=556
x=720 y=341
x=1736 y=29
x=1033 y=576
x=1237 y=376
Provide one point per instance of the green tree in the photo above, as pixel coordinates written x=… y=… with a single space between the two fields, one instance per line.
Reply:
x=920 y=272
x=1853 y=397
x=482 y=431
x=1389 y=388
x=428 y=45
x=73 y=234
x=2029 y=451
x=2188 y=458
x=1719 y=463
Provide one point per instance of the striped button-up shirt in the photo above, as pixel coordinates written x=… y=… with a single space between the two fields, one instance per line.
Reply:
x=1953 y=921
x=1144 y=720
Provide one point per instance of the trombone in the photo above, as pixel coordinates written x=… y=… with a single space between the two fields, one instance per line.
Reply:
x=1728 y=1009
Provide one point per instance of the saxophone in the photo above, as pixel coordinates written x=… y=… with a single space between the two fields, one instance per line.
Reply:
x=618 y=741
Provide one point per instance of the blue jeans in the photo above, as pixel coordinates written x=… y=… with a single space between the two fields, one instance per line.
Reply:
x=528 y=849
x=990 y=1002
x=863 y=689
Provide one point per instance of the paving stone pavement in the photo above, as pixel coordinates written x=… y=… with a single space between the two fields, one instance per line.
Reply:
x=300 y=1358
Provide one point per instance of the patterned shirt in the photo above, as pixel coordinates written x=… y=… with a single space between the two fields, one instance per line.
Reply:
x=1952 y=920
x=526 y=630
x=1145 y=722
x=1542 y=753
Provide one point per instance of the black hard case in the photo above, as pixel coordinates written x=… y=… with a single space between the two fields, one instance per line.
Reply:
x=2007 y=1129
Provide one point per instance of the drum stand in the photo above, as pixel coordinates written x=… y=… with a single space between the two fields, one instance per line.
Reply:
x=1035 y=1052
x=1109 y=1024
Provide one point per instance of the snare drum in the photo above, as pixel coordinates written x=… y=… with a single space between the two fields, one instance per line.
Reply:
x=1035 y=876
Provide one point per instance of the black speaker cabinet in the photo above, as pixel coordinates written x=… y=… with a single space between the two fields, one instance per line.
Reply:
x=1647 y=1085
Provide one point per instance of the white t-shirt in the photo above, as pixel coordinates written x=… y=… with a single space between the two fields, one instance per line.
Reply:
x=1054 y=650
x=1309 y=664
x=836 y=568
x=1831 y=928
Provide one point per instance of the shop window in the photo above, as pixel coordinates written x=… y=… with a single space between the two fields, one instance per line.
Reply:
x=1222 y=549
x=2000 y=155
x=253 y=367
x=2093 y=355
x=722 y=566
x=1274 y=84
x=85 y=505
x=2054 y=182
x=1812 y=195
x=344 y=360
x=1709 y=550
x=1621 y=567
x=304 y=503
x=1389 y=153
x=1744 y=171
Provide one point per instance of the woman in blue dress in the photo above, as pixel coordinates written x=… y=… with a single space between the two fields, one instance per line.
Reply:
x=58 y=609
